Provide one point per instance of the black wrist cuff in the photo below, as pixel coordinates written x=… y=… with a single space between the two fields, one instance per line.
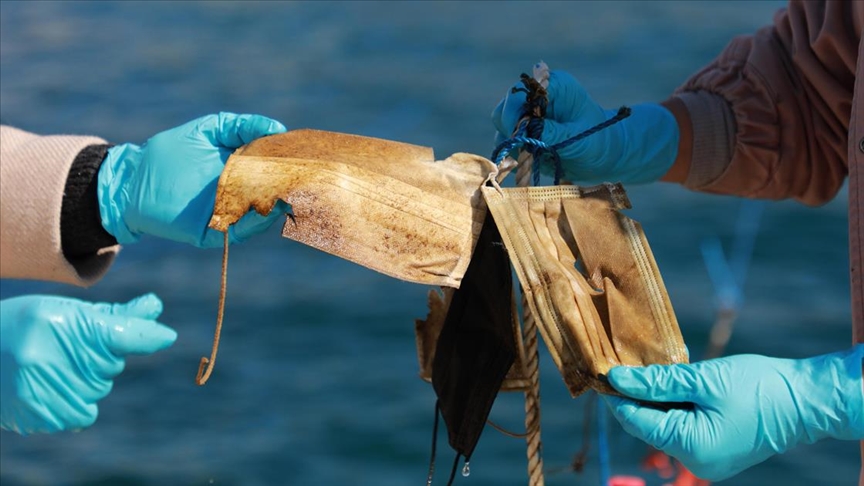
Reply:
x=81 y=231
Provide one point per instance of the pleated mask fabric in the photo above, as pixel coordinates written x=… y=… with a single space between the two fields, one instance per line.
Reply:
x=388 y=206
x=590 y=279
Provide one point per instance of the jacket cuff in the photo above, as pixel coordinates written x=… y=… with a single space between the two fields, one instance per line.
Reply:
x=713 y=125
x=81 y=233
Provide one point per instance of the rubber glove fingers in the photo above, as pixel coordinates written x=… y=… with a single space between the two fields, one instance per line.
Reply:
x=253 y=223
x=167 y=187
x=59 y=356
x=508 y=112
x=681 y=383
x=569 y=110
x=712 y=439
x=249 y=225
x=745 y=408
x=230 y=130
x=569 y=103
x=639 y=149
x=132 y=329
x=147 y=306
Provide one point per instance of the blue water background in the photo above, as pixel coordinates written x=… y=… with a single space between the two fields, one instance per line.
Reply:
x=316 y=382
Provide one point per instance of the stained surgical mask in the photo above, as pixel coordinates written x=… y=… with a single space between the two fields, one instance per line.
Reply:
x=589 y=275
x=590 y=279
x=585 y=268
x=388 y=206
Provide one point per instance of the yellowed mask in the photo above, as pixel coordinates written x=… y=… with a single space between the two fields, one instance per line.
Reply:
x=590 y=279
x=388 y=206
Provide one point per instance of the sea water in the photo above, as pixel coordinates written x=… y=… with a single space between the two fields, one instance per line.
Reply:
x=316 y=381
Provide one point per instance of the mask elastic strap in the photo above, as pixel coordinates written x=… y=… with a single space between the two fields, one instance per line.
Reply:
x=205 y=367
x=434 y=446
x=453 y=470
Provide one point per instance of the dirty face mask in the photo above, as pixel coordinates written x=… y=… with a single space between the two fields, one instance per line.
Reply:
x=428 y=330
x=388 y=206
x=590 y=279
x=476 y=346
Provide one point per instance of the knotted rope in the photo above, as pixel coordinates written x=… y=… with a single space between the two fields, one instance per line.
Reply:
x=535 y=146
x=531 y=126
x=527 y=137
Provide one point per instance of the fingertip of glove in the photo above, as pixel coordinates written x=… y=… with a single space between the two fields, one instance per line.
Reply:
x=137 y=335
x=253 y=223
x=165 y=336
x=496 y=112
x=150 y=337
x=276 y=127
x=257 y=126
x=148 y=305
x=264 y=125
x=624 y=379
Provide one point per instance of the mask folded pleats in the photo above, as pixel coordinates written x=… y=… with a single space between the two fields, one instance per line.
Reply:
x=385 y=205
x=590 y=279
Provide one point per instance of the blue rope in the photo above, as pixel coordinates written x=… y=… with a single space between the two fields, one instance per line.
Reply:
x=504 y=149
x=539 y=148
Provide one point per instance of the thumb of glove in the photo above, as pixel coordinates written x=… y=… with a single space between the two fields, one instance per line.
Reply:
x=147 y=306
x=231 y=130
x=657 y=383
x=253 y=223
x=131 y=329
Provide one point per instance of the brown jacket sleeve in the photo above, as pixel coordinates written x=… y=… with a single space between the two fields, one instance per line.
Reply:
x=770 y=116
x=33 y=175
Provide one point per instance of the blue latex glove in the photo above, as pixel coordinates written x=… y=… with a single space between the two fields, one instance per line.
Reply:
x=58 y=356
x=746 y=408
x=638 y=149
x=167 y=187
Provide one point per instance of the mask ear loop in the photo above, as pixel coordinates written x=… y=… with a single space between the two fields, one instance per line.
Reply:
x=455 y=467
x=434 y=445
x=205 y=366
x=465 y=470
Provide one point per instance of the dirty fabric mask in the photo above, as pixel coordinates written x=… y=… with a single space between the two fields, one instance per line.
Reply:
x=590 y=279
x=428 y=330
x=388 y=206
x=476 y=346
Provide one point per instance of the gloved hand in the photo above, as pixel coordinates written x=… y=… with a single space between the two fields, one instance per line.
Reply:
x=167 y=187
x=638 y=149
x=746 y=408
x=58 y=356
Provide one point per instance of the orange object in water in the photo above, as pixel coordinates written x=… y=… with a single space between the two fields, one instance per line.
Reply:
x=626 y=481
x=658 y=461
x=687 y=478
